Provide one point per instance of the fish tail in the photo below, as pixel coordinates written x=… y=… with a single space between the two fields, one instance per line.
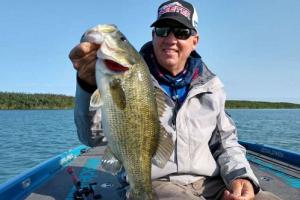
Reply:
x=132 y=195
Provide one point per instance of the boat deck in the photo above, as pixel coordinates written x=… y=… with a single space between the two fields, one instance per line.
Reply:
x=274 y=176
x=86 y=167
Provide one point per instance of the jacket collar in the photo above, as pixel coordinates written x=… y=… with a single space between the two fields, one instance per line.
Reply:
x=202 y=79
x=192 y=70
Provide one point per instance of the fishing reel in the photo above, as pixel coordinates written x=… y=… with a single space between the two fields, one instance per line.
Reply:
x=86 y=193
x=82 y=193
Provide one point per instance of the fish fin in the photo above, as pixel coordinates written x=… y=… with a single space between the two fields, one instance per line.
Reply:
x=164 y=149
x=160 y=101
x=96 y=101
x=117 y=93
x=132 y=195
x=165 y=145
x=110 y=163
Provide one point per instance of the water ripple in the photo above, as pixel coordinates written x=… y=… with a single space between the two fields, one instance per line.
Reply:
x=279 y=128
x=30 y=137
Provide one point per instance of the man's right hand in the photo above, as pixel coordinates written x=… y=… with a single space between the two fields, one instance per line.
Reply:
x=83 y=57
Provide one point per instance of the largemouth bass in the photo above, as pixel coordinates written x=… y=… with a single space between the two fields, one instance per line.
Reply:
x=130 y=111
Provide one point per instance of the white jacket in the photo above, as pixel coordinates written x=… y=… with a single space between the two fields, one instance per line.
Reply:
x=205 y=137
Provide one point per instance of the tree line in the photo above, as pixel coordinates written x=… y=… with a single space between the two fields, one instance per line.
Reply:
x=261 y=105
x=10 y=100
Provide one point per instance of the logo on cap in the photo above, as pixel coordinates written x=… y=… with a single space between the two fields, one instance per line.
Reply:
x=174 y=7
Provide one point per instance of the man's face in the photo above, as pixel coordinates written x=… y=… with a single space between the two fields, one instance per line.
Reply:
x=171 y=52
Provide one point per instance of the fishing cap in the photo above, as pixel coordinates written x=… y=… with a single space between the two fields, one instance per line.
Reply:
x=179 y=11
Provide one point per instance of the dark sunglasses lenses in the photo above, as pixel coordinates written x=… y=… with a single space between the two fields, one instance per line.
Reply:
x=180 y=33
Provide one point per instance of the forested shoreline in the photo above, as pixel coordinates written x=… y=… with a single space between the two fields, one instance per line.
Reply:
x=234 y=104
x=26 y=101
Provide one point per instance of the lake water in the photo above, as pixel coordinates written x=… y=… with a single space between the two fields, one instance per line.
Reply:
x=29 y=137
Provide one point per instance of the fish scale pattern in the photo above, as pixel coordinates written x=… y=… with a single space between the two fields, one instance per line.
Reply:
x=133 y=131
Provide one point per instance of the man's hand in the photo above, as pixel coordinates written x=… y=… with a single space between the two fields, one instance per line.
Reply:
x=241 y=189
x=83 y=57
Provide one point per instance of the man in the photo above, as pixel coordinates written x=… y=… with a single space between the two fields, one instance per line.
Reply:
x=208 y=162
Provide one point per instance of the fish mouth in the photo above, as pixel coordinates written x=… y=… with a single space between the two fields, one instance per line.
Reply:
x=114 y=66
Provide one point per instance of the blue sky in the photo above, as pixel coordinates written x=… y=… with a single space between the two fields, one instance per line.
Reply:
x=252 y=45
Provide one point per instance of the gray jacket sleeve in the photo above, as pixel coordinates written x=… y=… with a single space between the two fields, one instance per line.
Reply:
x=88 y=123
x=230 y=155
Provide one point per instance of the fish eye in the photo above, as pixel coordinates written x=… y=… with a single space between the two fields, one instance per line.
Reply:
x=123 y=38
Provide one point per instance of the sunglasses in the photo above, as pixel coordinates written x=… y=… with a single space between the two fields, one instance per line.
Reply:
x=179 y=33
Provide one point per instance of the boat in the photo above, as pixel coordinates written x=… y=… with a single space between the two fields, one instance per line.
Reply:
x=75 y=174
